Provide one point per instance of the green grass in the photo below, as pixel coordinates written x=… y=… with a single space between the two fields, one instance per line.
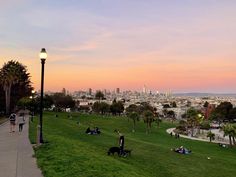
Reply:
x=2 y=120
x=72 y=153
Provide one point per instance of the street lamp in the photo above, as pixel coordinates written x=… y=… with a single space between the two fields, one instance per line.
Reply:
x=43 y=56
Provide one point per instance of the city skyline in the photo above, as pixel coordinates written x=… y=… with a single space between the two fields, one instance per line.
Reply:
x=186 y=46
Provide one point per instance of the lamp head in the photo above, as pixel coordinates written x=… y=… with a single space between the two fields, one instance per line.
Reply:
x=43 y=54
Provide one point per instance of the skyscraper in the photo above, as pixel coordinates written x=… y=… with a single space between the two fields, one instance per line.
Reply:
x=117 y=90
x=90 y=91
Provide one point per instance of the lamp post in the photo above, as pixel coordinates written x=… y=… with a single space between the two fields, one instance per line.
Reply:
x=43 y=56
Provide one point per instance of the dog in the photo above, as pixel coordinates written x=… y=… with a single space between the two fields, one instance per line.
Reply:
x=113 y=150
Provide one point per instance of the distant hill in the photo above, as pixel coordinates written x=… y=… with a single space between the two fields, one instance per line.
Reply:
x=196 y=94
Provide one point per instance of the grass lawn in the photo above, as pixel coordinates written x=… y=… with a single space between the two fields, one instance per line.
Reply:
x=72 y=153
x=3 y=119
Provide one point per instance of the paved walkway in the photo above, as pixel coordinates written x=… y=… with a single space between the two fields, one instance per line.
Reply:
x=16 y=153
x=194 y=138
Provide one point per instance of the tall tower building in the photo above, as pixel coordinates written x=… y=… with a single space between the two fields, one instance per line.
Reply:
x=90 y=91
x=117 y=90
x=64 y=91
x=144 y=89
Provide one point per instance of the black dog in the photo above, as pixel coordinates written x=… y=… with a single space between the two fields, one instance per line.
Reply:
x=113 y=150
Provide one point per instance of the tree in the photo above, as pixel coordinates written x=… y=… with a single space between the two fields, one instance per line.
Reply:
x=24 y=103
x=206 y=104
x=99 y=95
x=101 y=107
x=211 y=136
x=117 y=107
x=166 y=106
x=62 y=101
x=173 y=104
x=232 y=115
x=13 y=74
x=229 y=130
x=132 y=108
x=2 y=100
x=148 y=119
x=222 y=112
x=96 y=107
x=104 y=107
x=193 y=118
x=144 y=106
x=135 y=117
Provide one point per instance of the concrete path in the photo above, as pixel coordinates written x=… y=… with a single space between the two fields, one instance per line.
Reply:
x=16 y=153
x=194 y=138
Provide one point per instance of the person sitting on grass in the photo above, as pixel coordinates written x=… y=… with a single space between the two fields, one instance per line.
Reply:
x=95 y=131
x=182 y=150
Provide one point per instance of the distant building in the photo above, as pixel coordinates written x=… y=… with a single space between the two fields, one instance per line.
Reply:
x=117 y=90
x=90 y=91
x=144 y=89
x=63 y=91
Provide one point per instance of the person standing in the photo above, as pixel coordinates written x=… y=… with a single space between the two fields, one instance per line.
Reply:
x=12 y=119
x=21 y=121
x=121 y=143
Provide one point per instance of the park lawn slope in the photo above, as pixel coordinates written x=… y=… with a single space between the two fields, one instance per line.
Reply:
x=71 y=153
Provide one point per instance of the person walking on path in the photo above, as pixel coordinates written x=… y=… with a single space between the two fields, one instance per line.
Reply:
x=21 y=121
x=16 y=153
x=12 y=119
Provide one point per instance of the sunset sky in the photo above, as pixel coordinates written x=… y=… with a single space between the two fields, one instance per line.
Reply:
x=178 y=45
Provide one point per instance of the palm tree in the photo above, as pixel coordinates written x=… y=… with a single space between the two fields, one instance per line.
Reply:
x=211 y=136
x=148 y=119
x=229 y=130
x=13 y=73
x=135 y=117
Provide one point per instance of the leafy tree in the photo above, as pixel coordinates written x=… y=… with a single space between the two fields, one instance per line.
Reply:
x=222 y=112
x=135 y=117
x=14 y=78
x=2 y=100
x=144 y=106
x=101 y=107
x=99 y=95
x=24 y=103
x=132 y=108
x=171 y=114
x=117 y=107
x=148 y=119
x=166 y=106
x=104 y=107
x=173 y=104
x=211 y=136
x=193 y=119
x=96 y=107
x=63 y=101
x=232 y=114
x=205 y=125
x=217 y=116
x=206 y=104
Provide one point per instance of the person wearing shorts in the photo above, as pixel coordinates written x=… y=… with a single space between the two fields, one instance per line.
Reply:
x=12 y=119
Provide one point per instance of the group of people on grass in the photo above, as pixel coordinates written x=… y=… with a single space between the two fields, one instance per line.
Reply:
x=14 y=119
x=182 y=150
x=94 y=131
